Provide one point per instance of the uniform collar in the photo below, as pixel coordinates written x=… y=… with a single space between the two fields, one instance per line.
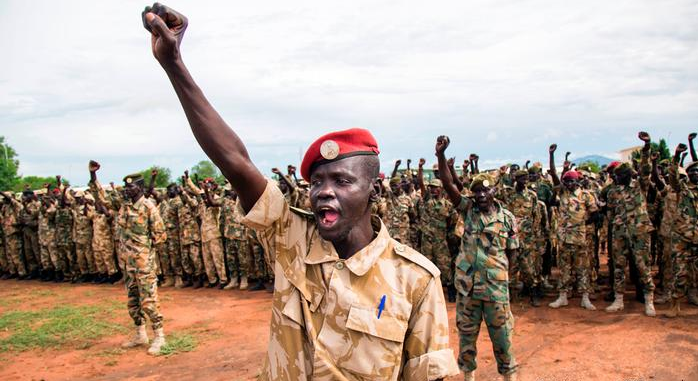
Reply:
x=322 y=251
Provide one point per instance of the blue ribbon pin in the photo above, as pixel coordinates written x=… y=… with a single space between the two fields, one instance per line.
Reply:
x=381 y=306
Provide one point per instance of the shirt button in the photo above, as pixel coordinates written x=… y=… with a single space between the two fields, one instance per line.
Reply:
x=339 y=265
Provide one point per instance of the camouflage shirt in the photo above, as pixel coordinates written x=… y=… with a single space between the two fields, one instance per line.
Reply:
x=325 y=323
x=397 y=214
x=482 y=266
x=524 y=206
x=572 y=213
x=188 y=227
x=29 y=215
x=140 y=228
x=628 y=207
x=82 y=224
x=10 y=217
x=686 y=218
x=436 y=217
x=231 y=218
x=210 y=220
x=47 y=224
x=64 y=226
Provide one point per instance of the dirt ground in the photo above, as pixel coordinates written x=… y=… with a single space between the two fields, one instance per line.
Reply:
x=231 y=328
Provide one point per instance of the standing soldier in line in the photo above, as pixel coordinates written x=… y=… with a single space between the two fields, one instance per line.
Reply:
x=482 y=270
x=627 y=203
x=668 y=206
x=399 y=208
x=334 y=266
x=82 y=236
x=29 y=220
x=64 y=233
x=6 y=265
x=544 y=192
x=437 y=216
x=575 y=207
x=12 y=232
x=237 y=249
x=189 y=233
x=522 y=202
x=140 y=231
x=102 y=226
x=174 y=249
x=211 y=237
x=47 y=237
x=163 y=260
x=684 y=238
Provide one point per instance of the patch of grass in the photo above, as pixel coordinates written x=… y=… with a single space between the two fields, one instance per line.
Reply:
x=178 y=342
x=111 y=362
x=54 y=327
x=44 y=293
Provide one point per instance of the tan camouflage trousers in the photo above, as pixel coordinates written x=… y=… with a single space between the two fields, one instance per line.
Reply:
x=591 y=249
x=685 y=265
x=48 y=253
x=13 y=250
x=571 y=257
x=32 y=250
x=436 y=250
x=142 y=289
x=163 y=260
x=500 y=325
x=85 y=258
x=666 y=263
x=64 y=254
x=103 y=251
x=6 y=264
x=214 y=260
x=193 y=253
x=238 y=255
x=635 y=247
x=529 y=261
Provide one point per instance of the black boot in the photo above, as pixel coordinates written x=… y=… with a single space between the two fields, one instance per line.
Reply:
x=187 y=280
x=610 y=297
x=6 y=276
x=258 y=286
x=451 y=293
x=59 y=277
x=535 y=294
x=198 y=281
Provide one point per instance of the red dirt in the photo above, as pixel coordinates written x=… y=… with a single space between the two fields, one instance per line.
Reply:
x=567 y=344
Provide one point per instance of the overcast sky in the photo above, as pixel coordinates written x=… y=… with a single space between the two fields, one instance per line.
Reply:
x=502 y=78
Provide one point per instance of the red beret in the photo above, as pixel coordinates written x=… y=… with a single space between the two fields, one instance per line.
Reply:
x=336 y=146
x=612 y=166
x=571 y=175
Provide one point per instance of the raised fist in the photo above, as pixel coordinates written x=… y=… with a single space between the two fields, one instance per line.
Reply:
x=275 y=171
x=654 y=155
x=93 y=166
x=167 y=28
x=553 y=148
x=154 y=172
x=451 y=161
x=692 y=136
x=645 y=137
x=409 y=161
x=422 y=162
x=442 y=143
x=681 y=148
x=397 y=163
x=186 y=174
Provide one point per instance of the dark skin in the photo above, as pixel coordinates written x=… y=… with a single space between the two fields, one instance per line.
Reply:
x=395 y=168
x=134 y=190
x=520 y=182
x=692 y=148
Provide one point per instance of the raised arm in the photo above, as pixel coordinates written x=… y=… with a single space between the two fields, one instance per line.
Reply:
x=221 y=144
x=674 y=168
x=645 y=169
x=551 y=158
x=397 y=165
x=454 y=175
x=420 y=177
x=656 y=179
x=452 y=191
x=692 y=148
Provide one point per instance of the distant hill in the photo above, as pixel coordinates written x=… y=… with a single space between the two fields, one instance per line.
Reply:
x=601 y=160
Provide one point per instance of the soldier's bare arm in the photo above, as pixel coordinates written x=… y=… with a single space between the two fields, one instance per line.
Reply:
x=644 y=172
x=551 y=158
x=691 y=147
x=219 y=141
x=452 y=191
x=674 y=168
x=452 y=169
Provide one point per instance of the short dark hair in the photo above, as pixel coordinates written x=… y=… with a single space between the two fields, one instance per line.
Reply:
x=371 y=165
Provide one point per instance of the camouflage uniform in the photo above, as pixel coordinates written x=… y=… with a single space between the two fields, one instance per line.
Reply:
x=82 y=236
x=64 y=239
x=190 y=236
x=237 y=248
x=324 y=323
x=397 y=217
x=140 y=228
x=574 y=209
x=482 y=283
x=211 y=242
x=29 y=216
x=524 y=206
x=684 y=239
x=669 y=210
x=163 y=255
x=174 y=252
x=102 y=243
x=13 y=235
x=437 y=216
x=47 y=238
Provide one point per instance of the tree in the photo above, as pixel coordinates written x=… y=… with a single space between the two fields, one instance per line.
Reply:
x=162 y=180
x=36 y=183
x=661 y=147
x=590 y=165
x=204 y=169
x=8 y=166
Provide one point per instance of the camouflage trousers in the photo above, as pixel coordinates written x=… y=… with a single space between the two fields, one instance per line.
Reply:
x=685 y=265
x=84 y=258
x=571 y=257
x=238 y=257
x=163 y=260
x=436 y=250
x=48 y=250
x=263 y=261
x=6 y=264
x=32 y=250
x=192 y=252
x=415 y=235
x=64 y=255
x=13 y=251
x=528 y=262
x=174 y=253
x=591 y=241
x=637 y=248
x=666 y=264
x=142 y=289
x=500 y=325
x=214 y=260
x=103 y=251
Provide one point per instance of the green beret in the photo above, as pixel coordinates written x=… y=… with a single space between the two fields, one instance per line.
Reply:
x=482 y=179
x=133 y=178
x=395 y=180
x=435 y=183
x=534 y=169
x=623 y=168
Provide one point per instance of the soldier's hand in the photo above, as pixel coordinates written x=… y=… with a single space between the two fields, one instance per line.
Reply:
x=397 y=163
x=166 y=27
x=566 y=164
x=58 y=179
x=275 y=171
x=291 y=170
x=154 y=172
x=567 y=155
x=409 y=161
x=645 y=137
x=422 y=162
x=451 y=161
x=527 y=163
x=503 y=169
x=466 y=163
x=442 y=143
x=93 y=166
x=472 y=157
x=681 y=148
x=654 y=155
x=111 y=184
x=692 y=136
x=553 y=148
x=186 y=174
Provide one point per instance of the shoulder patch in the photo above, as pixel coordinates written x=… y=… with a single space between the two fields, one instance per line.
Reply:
x=302 y=212
x=414 y=256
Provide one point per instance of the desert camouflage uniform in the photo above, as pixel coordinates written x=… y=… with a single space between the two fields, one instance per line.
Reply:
x=82 y=236
x=573 y=211
x=6 y=264
x=482 y=282
x=102 y=242
x=47 y=238
x=29 y=216
x=190 y=236
x=669 y=210
x=397 y=217
x=237 y=248
x=324 y=322
x=140 y=230
x=437 y=216
x=591 y=242
x=13 y=235
x=162 y=255
x=211 y=242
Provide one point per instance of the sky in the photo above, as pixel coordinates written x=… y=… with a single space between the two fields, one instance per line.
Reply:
x=503 y=78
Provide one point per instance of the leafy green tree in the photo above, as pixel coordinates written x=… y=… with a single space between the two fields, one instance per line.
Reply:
x=8 y=166
x=661 y=147
x=590 y=165
x=36 y=182
x=162 y=180
x=204 y=169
